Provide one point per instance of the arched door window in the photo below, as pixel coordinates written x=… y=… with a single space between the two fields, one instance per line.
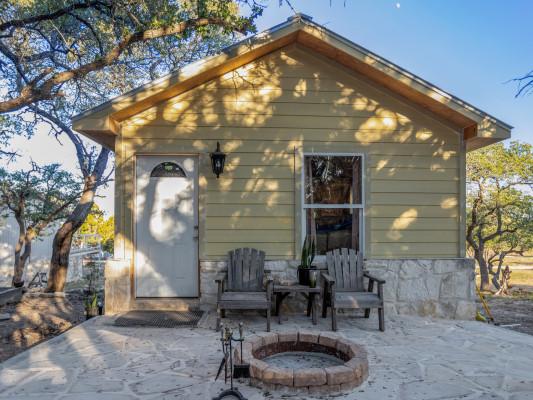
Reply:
x=167 y=169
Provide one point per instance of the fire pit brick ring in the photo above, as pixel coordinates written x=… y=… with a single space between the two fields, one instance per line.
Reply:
x=317 y=362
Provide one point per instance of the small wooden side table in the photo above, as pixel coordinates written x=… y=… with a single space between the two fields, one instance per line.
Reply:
x=282 y=291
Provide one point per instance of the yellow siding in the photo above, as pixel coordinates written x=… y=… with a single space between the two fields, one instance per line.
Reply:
x=265 y=115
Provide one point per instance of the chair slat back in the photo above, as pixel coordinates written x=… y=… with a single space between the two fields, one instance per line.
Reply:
x=346 y=266
x=246 y=268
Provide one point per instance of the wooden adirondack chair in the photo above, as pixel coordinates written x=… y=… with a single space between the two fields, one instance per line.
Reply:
x=343 y=286
x=242 y=287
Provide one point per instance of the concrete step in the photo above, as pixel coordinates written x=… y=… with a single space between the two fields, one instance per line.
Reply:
x=166 y=304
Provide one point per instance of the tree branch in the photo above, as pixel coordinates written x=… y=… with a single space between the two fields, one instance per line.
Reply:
x=33 y=92
x=75 y=139
x=20 y=23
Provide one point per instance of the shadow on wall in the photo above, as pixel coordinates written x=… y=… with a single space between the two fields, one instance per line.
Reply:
x=289 y=100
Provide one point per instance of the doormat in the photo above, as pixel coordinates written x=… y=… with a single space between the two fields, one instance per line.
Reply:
x=160 y=319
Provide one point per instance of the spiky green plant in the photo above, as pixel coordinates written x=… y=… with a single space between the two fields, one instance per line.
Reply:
x=92 y=301
x=308 y=252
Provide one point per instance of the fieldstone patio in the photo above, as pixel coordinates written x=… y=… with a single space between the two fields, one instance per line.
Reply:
x=414 y=359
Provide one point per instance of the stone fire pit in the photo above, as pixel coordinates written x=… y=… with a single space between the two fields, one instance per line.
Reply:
x=314 y=361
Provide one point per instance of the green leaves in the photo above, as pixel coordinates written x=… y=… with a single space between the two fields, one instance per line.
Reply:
x=499 y=201
x=308 y=252
x=103 y=229
x=510 y=166
x=39 y=195
x=61 y=37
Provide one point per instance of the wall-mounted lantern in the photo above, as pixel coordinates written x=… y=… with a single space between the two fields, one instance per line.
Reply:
x=217 y=161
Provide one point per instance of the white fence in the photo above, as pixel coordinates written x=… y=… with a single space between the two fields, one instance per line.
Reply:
x=40 y=254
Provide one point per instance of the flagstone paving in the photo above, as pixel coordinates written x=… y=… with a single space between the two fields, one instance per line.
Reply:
x=414 y=359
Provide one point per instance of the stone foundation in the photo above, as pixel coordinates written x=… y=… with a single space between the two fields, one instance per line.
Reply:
x=441 y=288
x=117 y=286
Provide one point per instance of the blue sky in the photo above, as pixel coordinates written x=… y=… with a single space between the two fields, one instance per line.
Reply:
x=467 y=48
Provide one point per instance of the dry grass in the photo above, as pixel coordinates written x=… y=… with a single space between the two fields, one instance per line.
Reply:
x=522 y=277
x=519 y=260
x=521 y=284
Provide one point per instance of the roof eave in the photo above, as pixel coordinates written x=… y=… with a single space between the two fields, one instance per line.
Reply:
x=105 y=119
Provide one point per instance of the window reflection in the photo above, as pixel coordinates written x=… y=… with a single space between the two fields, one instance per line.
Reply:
x=336 y=181
x=333 y=179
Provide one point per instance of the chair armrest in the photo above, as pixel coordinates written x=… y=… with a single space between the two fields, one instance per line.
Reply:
x=268 y=280
x=327 y=290
x=269 y=287
x=328 y=278
x=220 y=276
x=373 y=278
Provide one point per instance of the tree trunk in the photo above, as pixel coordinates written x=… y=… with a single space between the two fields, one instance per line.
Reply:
x=496 y=276
x=57 y=274
x=18 y=267
x=483 y=270
x=22 y=263
x=22 y=249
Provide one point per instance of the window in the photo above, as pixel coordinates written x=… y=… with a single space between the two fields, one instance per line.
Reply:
x=167 y=169
x=333 y=200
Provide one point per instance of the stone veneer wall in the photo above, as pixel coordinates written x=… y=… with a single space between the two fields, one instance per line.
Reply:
x=442 y=288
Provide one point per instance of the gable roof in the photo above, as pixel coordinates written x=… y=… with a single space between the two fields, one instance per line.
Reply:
x=479 y=129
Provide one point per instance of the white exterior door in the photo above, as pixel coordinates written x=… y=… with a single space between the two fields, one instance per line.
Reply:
x=166 y=226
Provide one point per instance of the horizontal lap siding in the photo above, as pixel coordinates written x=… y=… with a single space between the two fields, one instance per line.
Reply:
x=290 y=99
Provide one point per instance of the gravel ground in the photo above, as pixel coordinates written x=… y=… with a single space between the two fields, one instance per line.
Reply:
x=515 y=311
x=35 y=319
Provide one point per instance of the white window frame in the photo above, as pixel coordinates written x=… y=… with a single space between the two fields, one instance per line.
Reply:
x=360 y=206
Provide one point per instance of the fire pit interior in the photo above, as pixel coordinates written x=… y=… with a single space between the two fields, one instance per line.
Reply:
x=302 y=359
x=313 y=361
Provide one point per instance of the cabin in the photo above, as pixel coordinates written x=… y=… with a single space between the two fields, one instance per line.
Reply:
x=318 y=137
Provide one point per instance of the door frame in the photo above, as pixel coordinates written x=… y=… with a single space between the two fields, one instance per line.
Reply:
x=134 y=222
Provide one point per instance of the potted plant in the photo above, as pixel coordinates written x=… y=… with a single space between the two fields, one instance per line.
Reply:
x=91 y=306
x=306 y=262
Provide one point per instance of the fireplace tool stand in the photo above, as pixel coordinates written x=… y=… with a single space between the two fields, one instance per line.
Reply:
x=235 y=370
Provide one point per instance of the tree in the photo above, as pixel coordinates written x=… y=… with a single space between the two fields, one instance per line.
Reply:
x=107 y=234
x=59 y=57
x=36 y=197
x=97 y=224
x=524 y=84
x=51 y=44
x=499 y=205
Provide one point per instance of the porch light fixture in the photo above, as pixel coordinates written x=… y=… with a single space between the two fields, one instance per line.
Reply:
x=217 y=161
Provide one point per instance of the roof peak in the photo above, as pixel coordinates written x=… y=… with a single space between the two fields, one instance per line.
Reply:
x=299 y=17
x=480 y=129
